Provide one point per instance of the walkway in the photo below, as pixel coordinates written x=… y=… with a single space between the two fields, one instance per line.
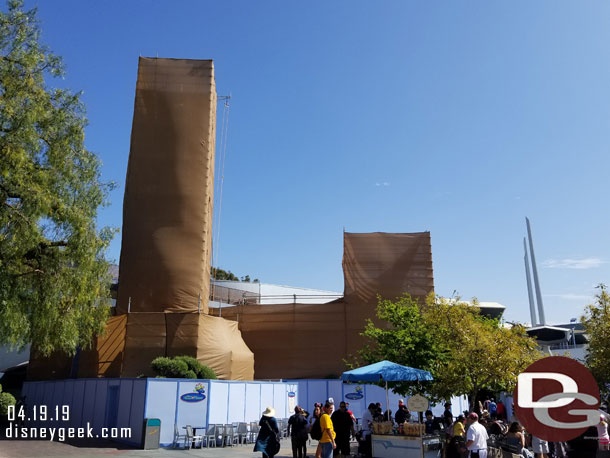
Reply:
x=46 y=449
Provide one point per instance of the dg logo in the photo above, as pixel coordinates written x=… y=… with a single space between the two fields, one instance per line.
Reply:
x=556 y=399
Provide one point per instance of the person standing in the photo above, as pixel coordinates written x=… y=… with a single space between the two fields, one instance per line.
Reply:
x=540 y=447
x=516 y=439
x=476 y=437
x=297 y=430
x=268 y=441
x=602 y=434
x=327 y=443
x=447 y=415
x=458 y=426
x=314 y=424
x=351 y=414
x=344 y=429
x=492 y=408
x=366 y=445
x=402 y=414
x=501 y=410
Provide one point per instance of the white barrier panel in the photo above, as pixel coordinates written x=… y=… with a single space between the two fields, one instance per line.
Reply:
x=192 y=404
x=214 y=402
x=237 y=402
x=360 y=396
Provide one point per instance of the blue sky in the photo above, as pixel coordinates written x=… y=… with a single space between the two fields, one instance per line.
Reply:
x=458 y=118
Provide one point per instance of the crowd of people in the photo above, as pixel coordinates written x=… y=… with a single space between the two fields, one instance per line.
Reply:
x=472 y=432
x=468 y=435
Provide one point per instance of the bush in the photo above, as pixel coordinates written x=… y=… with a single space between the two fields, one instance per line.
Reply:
x=199 y=369
x=6 y=399
x=181 y=367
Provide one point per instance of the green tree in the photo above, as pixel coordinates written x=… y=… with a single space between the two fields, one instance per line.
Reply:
x=480 y=353
x=400 y=335
x=597 y=326
x=54 y=282
x=464 y=351
x=220 y=274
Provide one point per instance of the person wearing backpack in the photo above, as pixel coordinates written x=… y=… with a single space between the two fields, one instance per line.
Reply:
x=314 y=424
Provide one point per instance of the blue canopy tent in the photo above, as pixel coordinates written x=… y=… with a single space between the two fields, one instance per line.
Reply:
x=386 y=371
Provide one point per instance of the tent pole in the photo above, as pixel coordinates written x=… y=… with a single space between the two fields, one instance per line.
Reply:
x=387 y=399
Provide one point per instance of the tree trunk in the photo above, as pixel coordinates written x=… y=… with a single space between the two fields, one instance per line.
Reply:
x=473 y=400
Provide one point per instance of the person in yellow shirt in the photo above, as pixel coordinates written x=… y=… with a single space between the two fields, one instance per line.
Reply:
x=327 y=443
x=458 y=427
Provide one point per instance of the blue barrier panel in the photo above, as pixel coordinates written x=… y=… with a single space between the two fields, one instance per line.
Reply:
x=136 y=416
x=99 y=406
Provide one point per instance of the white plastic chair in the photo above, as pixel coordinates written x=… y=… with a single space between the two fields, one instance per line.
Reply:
x=191 y=437
x=228 y=435
x=178 y=437
x=210 y=436
x=242 y=433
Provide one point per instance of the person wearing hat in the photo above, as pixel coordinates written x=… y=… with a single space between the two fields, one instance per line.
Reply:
x=268 y=441
x=476 y=437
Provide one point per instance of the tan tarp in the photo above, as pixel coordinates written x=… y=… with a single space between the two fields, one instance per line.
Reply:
x=386 y=264
x=215 y=342
x=167 y=208
x=56 y=366
x=312 y=340
x=145 y=340
x=293 y=340
x=167 y=228
x=106 y=358
x=132 y=341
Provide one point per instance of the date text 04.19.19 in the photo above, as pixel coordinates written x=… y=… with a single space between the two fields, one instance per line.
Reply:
x=39 y=413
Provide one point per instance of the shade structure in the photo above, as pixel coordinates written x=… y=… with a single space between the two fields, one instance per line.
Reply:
x=386 y=371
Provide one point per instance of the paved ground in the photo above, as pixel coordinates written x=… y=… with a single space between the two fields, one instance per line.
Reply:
x=46 y=449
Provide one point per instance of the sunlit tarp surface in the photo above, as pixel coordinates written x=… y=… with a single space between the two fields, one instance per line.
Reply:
x=313 y=340
x=385 y=371
x=167 y=208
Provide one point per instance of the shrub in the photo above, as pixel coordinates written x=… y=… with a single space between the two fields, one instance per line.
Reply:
x=6 y=399
x=199 y=369
x=181 y=367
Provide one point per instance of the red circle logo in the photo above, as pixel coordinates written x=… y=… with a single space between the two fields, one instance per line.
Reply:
x=556 y=399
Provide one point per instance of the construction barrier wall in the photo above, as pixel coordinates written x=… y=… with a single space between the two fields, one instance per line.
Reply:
x=125 y=403
x=95 y=403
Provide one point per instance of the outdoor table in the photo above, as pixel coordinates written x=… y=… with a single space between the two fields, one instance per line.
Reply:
x=195 y=428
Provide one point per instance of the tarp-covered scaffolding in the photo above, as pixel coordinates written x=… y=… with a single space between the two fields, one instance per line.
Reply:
x=164 y=272
x=312 y=340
